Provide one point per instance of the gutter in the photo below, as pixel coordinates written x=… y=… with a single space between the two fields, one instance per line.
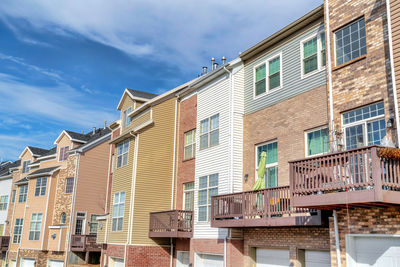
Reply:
x=89 y=145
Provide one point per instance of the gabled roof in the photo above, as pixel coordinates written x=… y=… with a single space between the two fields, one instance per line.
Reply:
x=73 y=136
x=43 y=172
x=35 y=151
x=5 y=169
x=94 y=138
x=136 y=95
x=21 y=181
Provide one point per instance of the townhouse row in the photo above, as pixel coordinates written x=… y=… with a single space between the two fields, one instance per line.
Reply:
x=171 y=182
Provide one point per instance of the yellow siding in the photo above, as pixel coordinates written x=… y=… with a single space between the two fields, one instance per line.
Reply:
x=154 y=170
x=127 y=102
x=141 y=118
x=101 y=232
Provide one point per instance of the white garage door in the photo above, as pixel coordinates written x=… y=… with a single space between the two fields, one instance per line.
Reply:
x=27 y=263
x=13 y=263
x=54 y=263
x=318 y=258
x=375 y=251
x=182 y=259
x=115 y=262
x=272 y=257
x=208 y=260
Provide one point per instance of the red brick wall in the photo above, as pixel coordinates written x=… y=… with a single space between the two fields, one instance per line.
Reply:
x=186 y=168
x=148 y=256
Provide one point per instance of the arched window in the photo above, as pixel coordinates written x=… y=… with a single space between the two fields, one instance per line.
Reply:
x=63 y=219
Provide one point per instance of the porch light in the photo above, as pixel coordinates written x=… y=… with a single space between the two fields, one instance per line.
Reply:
x=389 y=123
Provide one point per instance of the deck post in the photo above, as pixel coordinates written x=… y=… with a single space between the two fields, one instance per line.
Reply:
x=376 y=174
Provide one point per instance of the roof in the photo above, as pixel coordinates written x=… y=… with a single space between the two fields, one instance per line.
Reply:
x=37 y=150
x=22 y=181
x=77 y=136
x=50 y=152
x=141 y=94
x=92 y=137
x=44 y=172
x=5 y=168
x=315 y=14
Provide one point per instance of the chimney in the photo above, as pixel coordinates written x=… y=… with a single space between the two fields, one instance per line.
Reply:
x=204 y=70
x=105 y=124
x=223 y=60
x=94 y=130
x=212 y=63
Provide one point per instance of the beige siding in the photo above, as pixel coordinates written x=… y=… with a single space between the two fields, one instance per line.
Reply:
x=141 y=118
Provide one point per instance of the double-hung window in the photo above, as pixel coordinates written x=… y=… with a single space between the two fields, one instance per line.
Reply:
x=40 y=188
x=313 y=54
x=36 y=225
x=63 y=155
x=69 y=185
x=317 y=141
x=350 y=42
x=93 y=225
x=209 y=132
x=126 y=118
x=364 y=126
x=188 y=196
x=25 y=166
x=118 y=211
x=268 y=75
x=3 y=202
x=208 y=187
x=190 y=144
x=23 y=192
x=18 y=230
x=271 y=171
x=122 y=154
x=14 y=192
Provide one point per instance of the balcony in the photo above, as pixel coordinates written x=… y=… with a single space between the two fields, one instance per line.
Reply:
x=4 y=243
x=262 y=208
x=358 y=177
x=83 y=243
x=171 y=224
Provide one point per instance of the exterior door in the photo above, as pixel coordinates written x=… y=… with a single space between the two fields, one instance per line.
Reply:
x=80 y=223
x=54 y=263
x=272 y=257
x=318 y=258
x=182 y=259
x=373 y=251
x=27 y=263
x=209 y=260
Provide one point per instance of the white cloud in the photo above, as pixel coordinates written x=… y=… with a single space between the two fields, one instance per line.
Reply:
x=181 y=32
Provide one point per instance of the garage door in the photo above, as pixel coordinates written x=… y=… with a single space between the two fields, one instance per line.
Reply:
x=13 y=263
x=208 y=260
x=375 y=251
x=115 y=262
x=272 y=257
x=53 y=263
x=318 y=258
x=182 y=259
x=27 y=263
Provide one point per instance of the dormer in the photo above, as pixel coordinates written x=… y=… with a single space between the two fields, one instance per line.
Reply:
x=30 y=155
x=67 y=141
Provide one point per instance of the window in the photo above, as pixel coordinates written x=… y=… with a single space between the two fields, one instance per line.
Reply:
x=350 y=42
x=364 y=126
x=313 y=54
x=188 y=196
x=118 y=211
x=25 y=166
x=23 y=192
x=271 y=171
x=80 y=223
x=274 y=69
x=40 y=189
x=190 y=144
x=14 y=192
x=93 y=224
x=18 y=231
x=36 y=225
x=63 y=218
x=126 y=118
x=208 y=187
x=209 y=132
x=122 y=154
x=63 y=153
x=317 y=142
x=3 y=202
x=69 y=185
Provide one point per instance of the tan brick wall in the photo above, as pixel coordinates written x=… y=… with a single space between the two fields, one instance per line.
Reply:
x=285 y=122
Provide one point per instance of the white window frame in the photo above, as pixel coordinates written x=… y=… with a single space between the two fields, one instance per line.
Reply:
x=122 y=155
x=4 y=205
x=266 y=62
x=209 y=131
x=119 y=203
x=42 y=189
x=36 y=222
x=208 y=188
x=319 y=55
x=306 y=140
x=19 y=233
x=60 y=150
x=24 y=195
x=187 y=191
x=81 y=215
x=125 y=117
x=25 y=166
x=93 y=222
x=193 y=144
x=66 y=185
x=270 y=165
x=363 y=122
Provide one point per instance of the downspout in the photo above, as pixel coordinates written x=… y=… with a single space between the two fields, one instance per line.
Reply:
x=71 y=215
x=133 y=185
x=12 y=220
x=337 y=244
x=328 y=47
x=17 y=261
x=47 y=207
x=392 y=72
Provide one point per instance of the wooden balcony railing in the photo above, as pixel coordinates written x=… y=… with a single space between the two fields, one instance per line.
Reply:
x=266 y=207
x=4 y=243
x=84 y=243
x=173 y=223
x=351 y=177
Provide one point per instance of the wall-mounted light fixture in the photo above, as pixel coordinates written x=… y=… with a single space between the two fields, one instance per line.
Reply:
x=389 y=123
x=246 y=176
x=54 y=236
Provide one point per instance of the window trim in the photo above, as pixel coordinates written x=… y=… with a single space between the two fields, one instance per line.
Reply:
x=193 y=144
x=209 y=132
x=59 y=153
x=26 y=169
x=276 y=164
x=208 y=205
x=61 y=218
x=127 y=152
x=125 y=116
x=187 y=191
x=119 y=217
x=19 y=236
x=266 y=62
x=66 y=185
x=25 y=195
x=41 y=186
x=35 y=231
x=319 y=56
x=4 y=205
x=306 y=140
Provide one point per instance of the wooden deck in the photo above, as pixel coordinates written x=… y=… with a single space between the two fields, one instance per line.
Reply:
x=171 y=224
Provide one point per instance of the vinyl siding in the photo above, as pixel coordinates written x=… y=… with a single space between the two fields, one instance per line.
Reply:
x=395 y=20
x=154 y=170
x=5 y=190
x=141 y=118
x=291 y=74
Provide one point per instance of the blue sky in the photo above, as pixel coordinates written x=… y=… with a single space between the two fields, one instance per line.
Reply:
x=64 y=64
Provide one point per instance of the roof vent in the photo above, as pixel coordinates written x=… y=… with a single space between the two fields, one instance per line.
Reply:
x=223 y=60
x=94 y=130
x=212 y=63
x=204 y=70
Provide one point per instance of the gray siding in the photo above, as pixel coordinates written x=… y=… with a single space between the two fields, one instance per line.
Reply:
x=291 y=72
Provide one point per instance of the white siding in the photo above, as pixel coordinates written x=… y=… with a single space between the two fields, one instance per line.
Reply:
x=5 y=190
